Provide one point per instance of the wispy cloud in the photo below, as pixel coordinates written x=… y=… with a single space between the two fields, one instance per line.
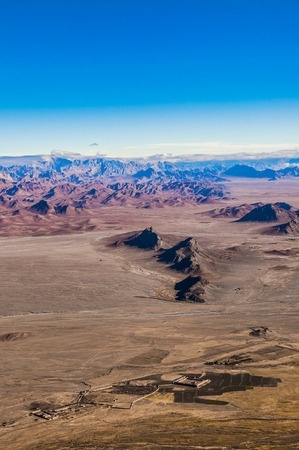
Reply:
x=214 y=146
x=202 y=151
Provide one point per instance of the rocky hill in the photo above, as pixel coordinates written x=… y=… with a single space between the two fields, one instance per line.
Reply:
x=289 y=228
x=191 y=289
x=271 y=212
x=232 y=211
x=146 y=239
x=186 y=256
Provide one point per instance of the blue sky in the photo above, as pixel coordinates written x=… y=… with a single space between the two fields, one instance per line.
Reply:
x=136 y=76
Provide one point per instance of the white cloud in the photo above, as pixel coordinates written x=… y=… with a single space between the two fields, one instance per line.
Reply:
x=218 y=146
x=207 y=150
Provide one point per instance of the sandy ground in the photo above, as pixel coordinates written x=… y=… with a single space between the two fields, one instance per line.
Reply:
x=79 y=316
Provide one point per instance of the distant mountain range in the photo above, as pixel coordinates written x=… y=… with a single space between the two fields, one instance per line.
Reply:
x=61 y=184
x=66 y=185
x=242 y=170
x=253 y=166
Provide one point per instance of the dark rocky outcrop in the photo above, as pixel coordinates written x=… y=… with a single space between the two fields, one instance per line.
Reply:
x=183 y=256
x=289 y=228
x=269 y=213
x=92 y=191
x=12 y=191
x=50 y=194
x=146 y=239
x=14 y=336
x=187 y=256
x=283 y=205
x=191 y=289
x=40 y=207
x=259 y=332
x=60 y=209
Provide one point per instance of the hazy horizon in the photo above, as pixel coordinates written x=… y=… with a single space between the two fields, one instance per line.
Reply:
x=174 y=156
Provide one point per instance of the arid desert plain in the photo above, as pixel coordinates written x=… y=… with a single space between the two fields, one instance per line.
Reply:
x=97 y=353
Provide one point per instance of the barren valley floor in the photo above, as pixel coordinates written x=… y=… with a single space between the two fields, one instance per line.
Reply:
x=92 y=338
